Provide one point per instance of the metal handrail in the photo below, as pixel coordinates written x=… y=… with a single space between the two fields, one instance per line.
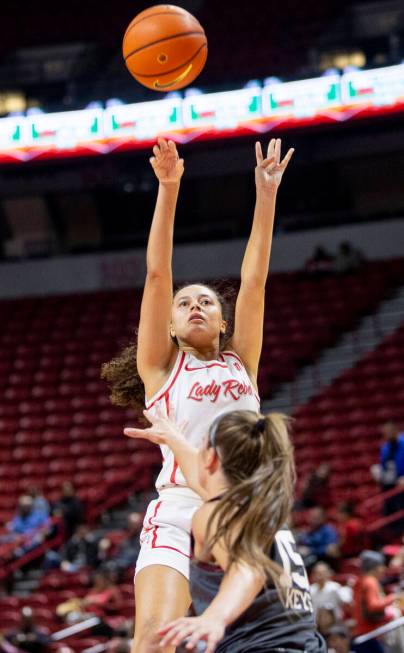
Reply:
x=381 y=630
x=75 y=628
x=381 y=496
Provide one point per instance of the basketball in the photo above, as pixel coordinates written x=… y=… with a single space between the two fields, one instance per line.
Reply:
x=165 y=48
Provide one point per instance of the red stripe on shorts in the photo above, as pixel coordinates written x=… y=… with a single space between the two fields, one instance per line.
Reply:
x=154 y=544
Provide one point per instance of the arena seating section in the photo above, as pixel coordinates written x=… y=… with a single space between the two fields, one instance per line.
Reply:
x=56 y=587
x=56 y=422
x=341 y=425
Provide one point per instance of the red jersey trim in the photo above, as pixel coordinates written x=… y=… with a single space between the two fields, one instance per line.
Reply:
x=173 y=473
x=171 y=548
x=231 y=353
x=204 y=367
x=166 y=390
x=154 y=544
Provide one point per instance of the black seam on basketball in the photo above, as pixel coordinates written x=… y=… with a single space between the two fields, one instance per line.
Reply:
x=160 y=74
x=167 y=38
x=161 y=13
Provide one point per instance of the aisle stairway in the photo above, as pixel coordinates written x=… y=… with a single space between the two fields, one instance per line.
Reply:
x=351 y=347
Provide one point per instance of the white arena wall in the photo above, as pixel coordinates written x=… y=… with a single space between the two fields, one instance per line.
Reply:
x=212 y=260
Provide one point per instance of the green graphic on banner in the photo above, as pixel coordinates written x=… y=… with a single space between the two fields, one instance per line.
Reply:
x=211 y=115
x=17 y=133
x=222 y=110
x=301 y=99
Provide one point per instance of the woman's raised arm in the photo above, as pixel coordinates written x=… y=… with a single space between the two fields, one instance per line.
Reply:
x=155 y=347
x=249 y=315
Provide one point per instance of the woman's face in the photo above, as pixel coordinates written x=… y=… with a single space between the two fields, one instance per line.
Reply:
x=196 y=317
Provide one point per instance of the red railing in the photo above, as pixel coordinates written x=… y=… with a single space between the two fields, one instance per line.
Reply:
x=54 y=541
x=105 y=500
x=376 y=500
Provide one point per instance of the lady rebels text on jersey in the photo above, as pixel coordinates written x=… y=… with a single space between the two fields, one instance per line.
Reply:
x=197 y=392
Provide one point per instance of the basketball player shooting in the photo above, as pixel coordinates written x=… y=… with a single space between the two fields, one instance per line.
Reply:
x=186 y=357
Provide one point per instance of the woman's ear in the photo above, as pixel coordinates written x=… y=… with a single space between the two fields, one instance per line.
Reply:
x=211 y=460
x=172 y=332
x=223 y=327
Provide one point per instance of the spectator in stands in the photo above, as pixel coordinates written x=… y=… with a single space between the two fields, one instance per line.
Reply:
x=348 y=258
x=40 y=503
x=123 y=637
x=119 y=645
x=338 y=639
x=27 y=636
x=392 y=466
x=103 y=597
x=80 y=551
x=70 y=507
x=27 y=519
x=315 y=490
x=396 y=554
x=370 y=604
x=320 y=263
x=125 y=554
x=350 y=530
x=320 y=542
x=325 y=620
x=326 y=593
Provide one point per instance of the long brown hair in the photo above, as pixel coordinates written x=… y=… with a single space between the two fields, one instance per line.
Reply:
x=256 y=456
x=121 y=374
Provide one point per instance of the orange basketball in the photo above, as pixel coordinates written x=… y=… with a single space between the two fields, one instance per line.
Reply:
x=165 y=48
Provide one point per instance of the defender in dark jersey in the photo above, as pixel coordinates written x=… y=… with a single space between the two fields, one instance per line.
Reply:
x=276 y=620
x=248 y=583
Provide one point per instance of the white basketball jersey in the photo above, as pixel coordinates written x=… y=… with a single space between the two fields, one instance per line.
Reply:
x=196 y=392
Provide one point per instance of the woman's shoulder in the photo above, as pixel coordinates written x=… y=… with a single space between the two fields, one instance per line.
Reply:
x=201 y=519
x=159 y=380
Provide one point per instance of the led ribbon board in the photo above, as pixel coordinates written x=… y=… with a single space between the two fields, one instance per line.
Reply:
x=256 y=108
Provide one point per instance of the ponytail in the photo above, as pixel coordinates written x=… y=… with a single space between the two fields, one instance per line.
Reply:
x=256 y=456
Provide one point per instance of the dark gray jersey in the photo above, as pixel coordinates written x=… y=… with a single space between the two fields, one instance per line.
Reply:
x=271 y=623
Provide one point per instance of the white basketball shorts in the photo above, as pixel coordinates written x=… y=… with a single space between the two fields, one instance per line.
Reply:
x=165 y=538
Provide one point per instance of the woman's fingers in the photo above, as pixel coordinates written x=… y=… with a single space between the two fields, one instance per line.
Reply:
x=258 y=153
x=211 y=643
x=287 y=157
x=175 y=632
x=134 y=433
x=182 y=426
x=277 y=150
x=196 y=636
x=149 y=416
x=271 y=147
x=163 y=144
x=169 y=636
x=172 y=146
x=266 y=162
x=152 y=434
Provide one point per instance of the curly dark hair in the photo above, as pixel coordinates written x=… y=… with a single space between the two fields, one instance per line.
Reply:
x=121 y=374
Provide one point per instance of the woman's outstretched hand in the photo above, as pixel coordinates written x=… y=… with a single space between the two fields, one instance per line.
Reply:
x=193 y=630
x=167 y=165
x=163 y=430
x=269 y=171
